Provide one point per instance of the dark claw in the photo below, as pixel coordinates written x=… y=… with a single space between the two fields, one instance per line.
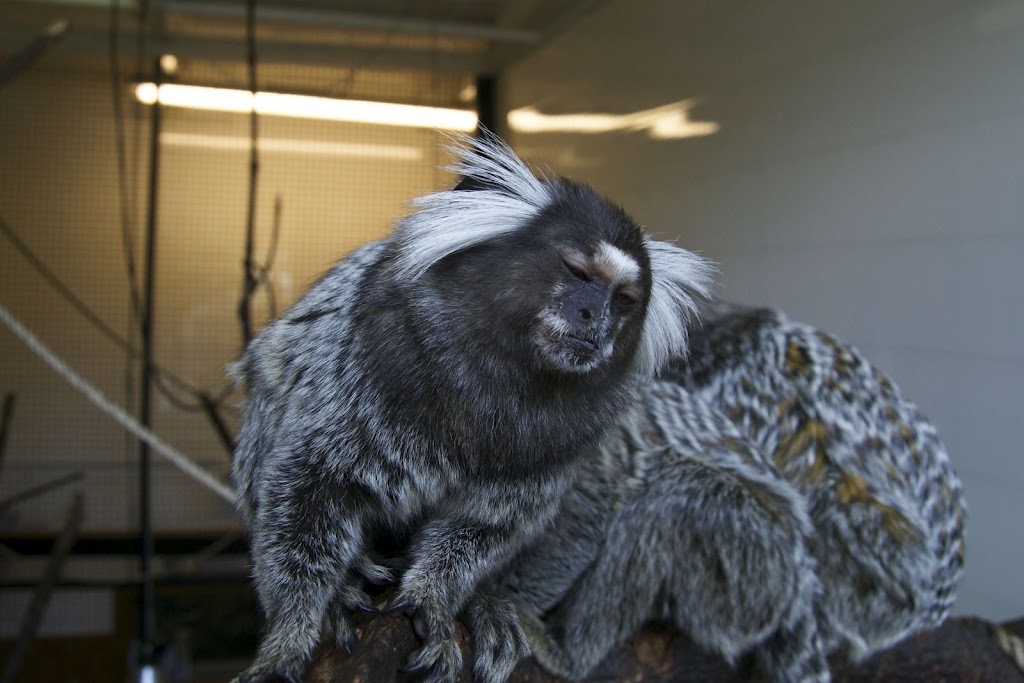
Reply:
x=396 y=603
x=356 y=599
x=263 y=674
x=346 y=641
x=418 y=661
x=368 y=607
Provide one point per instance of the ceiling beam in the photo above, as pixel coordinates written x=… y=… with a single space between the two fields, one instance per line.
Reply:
x=351 y=20
x=504 y=56
x=93 y=44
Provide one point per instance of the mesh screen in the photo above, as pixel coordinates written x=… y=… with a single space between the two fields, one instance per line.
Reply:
x=327 y=186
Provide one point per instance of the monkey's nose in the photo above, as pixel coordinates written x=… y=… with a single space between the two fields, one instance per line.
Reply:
x=586 y=306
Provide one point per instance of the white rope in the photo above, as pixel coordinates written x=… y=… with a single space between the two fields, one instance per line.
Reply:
x=179 y=459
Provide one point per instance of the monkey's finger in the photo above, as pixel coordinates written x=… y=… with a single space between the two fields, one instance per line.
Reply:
x=441 y=656
x=373 y=572
x=265 y=673
x=344 y=635
x=353 y=598
x=498 y=639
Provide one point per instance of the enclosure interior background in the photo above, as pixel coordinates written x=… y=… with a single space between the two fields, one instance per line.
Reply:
x=865 y=176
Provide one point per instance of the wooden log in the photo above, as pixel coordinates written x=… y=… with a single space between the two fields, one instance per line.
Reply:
x=963 y=649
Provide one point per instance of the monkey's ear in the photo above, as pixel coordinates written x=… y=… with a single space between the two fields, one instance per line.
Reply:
x=679 y=279
x=489 y=149
x=473 y=183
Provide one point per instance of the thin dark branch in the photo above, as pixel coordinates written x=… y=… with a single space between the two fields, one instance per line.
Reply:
x=40 y=489
x=250 y=279
x=33 y=616
x=5 y=423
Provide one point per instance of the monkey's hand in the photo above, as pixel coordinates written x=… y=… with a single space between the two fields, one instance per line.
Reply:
x=498 y=639
x=434 y=623
x=352 y=596
x=452 y=554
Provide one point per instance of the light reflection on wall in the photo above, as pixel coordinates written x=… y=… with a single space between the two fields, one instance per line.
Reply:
x=667 y=122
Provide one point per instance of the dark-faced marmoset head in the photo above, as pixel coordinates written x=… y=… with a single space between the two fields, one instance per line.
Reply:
x=546 y=269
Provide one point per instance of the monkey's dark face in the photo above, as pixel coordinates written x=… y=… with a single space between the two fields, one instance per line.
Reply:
x=565 y=292
x=599 y=292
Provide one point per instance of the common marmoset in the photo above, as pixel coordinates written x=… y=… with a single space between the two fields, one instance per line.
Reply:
x=771 y=493
x=445 y=384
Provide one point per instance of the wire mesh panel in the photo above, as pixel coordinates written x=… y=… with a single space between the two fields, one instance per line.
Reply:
x=69 y=201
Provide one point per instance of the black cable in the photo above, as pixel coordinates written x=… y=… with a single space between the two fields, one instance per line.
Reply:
x=275 y=233
x=126 y=207
x=265 y=280
x=5 y=423
x=213 y=413
x=40 y=489
x=63 y=289
x=201 y=401
x=167 y=393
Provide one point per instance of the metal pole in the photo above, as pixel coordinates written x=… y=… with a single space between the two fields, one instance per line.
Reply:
x=146 y=544
x=486 y=103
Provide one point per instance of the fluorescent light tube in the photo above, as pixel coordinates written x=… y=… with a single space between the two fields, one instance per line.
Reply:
x=235 y=143
x=306 y=106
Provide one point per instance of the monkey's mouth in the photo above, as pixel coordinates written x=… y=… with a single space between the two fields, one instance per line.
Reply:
x=569 y=351
x=580 y=344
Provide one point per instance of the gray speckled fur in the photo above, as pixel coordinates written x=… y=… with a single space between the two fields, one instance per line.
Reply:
x=432 y=388
x=774 y=493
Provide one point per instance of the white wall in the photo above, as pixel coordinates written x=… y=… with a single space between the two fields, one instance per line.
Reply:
x=867 y=176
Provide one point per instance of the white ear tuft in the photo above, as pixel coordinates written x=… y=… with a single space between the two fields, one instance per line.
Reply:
x=677 y=277
x=489 y=160
x=453 y=220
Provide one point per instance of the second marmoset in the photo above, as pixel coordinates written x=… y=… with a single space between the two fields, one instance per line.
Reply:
x=772 y=493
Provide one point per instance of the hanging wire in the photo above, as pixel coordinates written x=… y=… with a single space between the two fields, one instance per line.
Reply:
x=250 y=280
x=264 y=278
x=127 y=180
x=126 y=198
x=163 y=381
x=256 y=275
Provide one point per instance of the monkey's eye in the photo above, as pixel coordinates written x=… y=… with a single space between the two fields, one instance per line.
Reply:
x=627 y=296
x=576 y=267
